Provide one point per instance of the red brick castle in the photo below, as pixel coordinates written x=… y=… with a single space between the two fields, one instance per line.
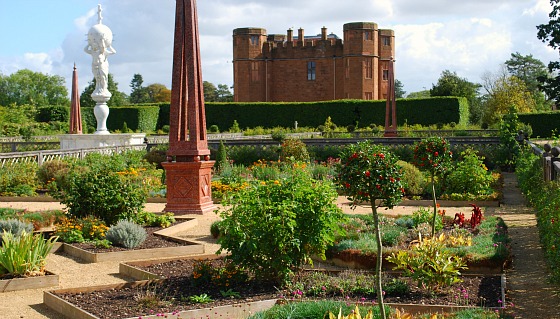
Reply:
x=277 y=67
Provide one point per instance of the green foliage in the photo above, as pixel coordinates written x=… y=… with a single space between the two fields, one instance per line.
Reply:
x=272 y=227
x=510 y=148
x=141 y=118
x=433 y=155
x=469 y=176
x=118 y=98
x=106 y=195
x=53 y=172
x=214 y=129
x=154 y=220
x=423 y=215
x=228 y=275
x=24 y=254
x=293 y=150
x=413 y=180
x=126 y=234
x=215 y=229
x=234 y=127
x=430 y=264
x=18 y=179
x=369 y=172
x=53 y=113
x=15 y=227
x=248 y=154
x=79 y=230
x=315 y=309
x=34 y=88
x=221 y=158
x=202 y=298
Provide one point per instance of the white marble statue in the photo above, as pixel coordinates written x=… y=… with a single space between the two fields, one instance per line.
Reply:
x=100 y=39
x=100 y=47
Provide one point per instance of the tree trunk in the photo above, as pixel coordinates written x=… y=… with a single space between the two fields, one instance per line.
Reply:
x=435 y=206
x=378 y=268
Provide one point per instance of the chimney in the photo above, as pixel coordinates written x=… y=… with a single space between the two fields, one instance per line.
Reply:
x=290 y=35
x=301 y=38
x=323 y=33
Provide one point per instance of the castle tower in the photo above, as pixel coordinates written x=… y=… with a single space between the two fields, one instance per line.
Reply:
x=249 y=65
x=386 y=51
x=361 y=60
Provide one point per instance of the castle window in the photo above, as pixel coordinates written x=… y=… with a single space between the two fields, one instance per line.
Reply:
x=347 y=69
x=311 y=70
x=385 y=75
x=254 y=71
x=368 y=96
x=254 y=40
x=386 y=41
x=368 y=66
x=367 y=35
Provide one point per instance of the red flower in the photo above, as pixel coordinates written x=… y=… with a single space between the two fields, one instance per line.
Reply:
x=347 y=185
x=382 y=155
x=368 y=174
x=436 y=154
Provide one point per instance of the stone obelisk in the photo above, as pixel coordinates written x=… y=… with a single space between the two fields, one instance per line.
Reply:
x=391 y=105
x=100 y=39
x=75 y=113
x=188 y=169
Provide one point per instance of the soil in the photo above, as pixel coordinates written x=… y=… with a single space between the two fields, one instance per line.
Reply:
x=172 y=294
x=152 y=241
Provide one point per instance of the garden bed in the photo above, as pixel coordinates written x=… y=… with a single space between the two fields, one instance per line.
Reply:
x=48 y=280
x=355 y=259
x=160 y=243
x=170 y=296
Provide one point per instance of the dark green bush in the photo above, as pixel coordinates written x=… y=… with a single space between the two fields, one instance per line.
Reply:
x=53 y=113
x=126 y=234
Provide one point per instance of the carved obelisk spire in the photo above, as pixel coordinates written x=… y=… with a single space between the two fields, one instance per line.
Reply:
x=391 y=105
x=189 y=169
x=75 y=113
x=187 y=135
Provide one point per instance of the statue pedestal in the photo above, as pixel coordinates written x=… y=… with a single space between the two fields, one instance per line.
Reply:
x=189 y=188
x=79 y=141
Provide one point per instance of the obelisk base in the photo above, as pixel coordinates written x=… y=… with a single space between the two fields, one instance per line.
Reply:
x=189 y=187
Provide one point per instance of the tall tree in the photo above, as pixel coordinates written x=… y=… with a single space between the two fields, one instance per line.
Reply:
x=117 y=99
x=549 y=33
x=158 y=93
x=507 y=93
x=138 y=93
x=209 y=91
x=223 y=94
x=529 y=70
x=450 y=84
x=26 y=87
x=399 y=89
x=418 y=95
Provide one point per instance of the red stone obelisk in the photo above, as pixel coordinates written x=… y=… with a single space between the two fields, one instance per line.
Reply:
x=391 y=105
x=188 y=168
x=75 y=113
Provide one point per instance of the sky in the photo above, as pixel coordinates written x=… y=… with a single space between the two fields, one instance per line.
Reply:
x=469 y=37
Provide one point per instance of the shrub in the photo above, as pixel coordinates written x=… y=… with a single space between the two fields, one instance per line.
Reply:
x=214 y=129
x=24 y=254
x=150 y=219
x=53 y=172
x=126 y=234
x=15 y=227
x=294 y=150
x=272 y=227
x=106 y=195
x=413 y=179
x=221 y=158
x=215 y=229
x=469 y=176
x=18 y=179
x=430 y=264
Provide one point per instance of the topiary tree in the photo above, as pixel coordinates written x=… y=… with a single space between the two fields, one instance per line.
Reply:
x=433 y=155
x=369 y=173
x=221 y=158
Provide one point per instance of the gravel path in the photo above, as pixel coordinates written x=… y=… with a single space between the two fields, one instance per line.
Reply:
x=527 y=287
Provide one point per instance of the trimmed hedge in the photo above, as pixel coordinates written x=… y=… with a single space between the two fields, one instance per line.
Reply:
x=427 y=111
x=142 y=118
x=542 y=123
x=53 y=113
